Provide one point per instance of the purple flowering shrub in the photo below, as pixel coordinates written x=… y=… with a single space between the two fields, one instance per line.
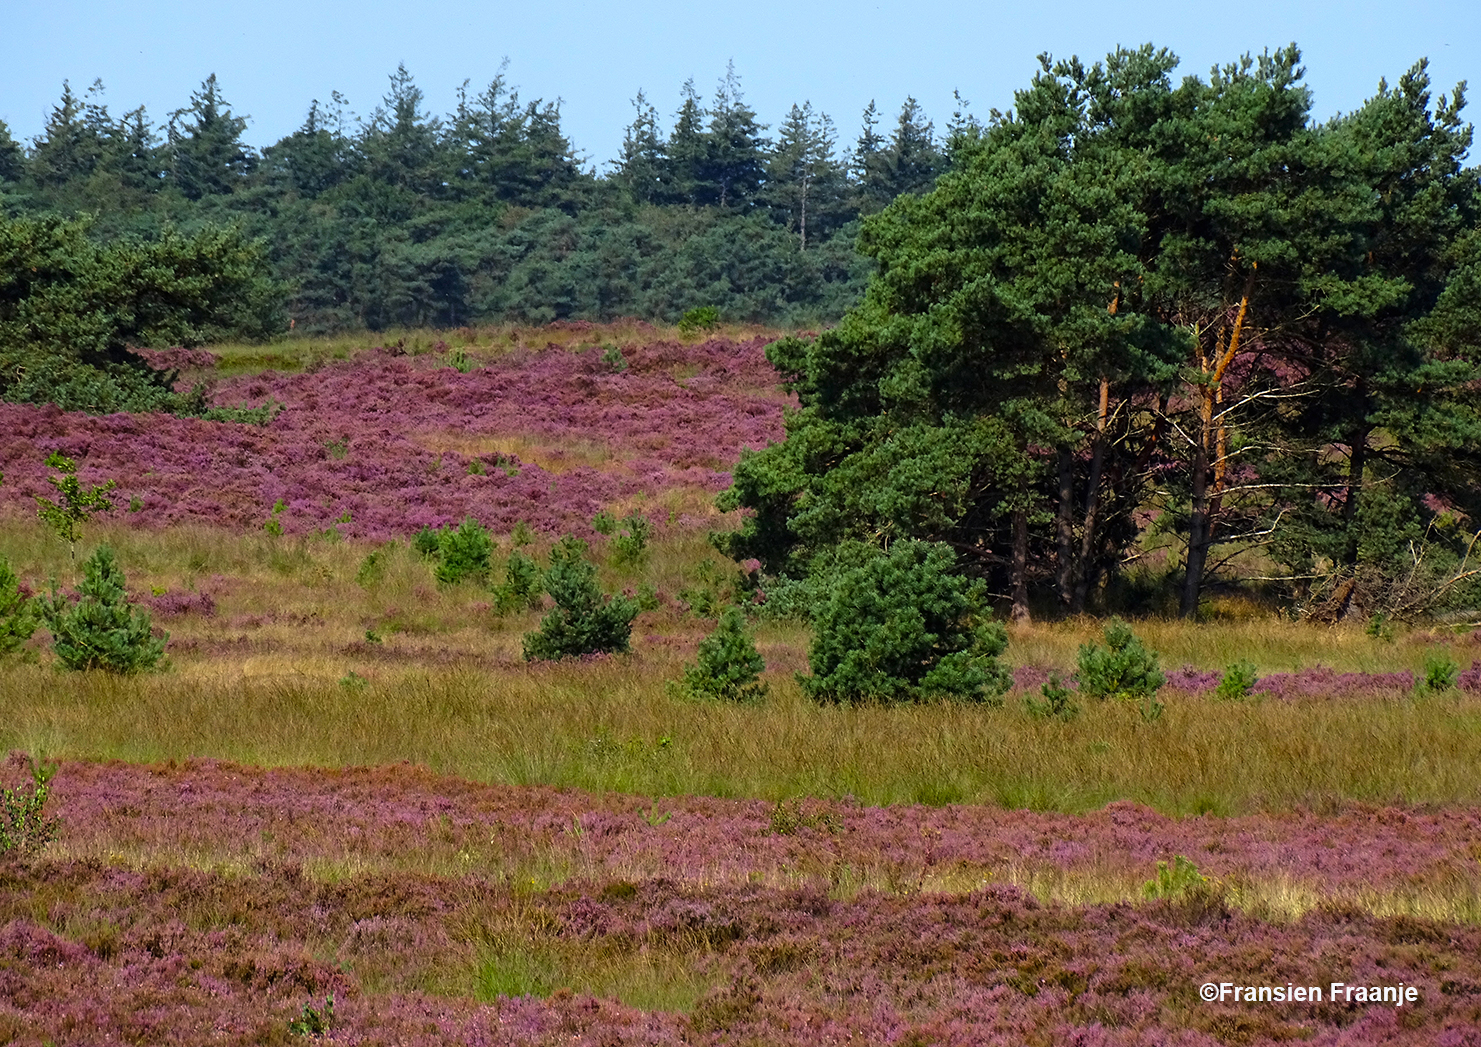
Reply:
x=94 y=950
x=399 y=443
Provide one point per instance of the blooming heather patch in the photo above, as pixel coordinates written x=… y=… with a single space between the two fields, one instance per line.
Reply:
x=399 y=443
x=97 y=950
x=363 y=817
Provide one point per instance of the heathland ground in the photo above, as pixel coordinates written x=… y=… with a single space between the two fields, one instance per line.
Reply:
x=348 y=781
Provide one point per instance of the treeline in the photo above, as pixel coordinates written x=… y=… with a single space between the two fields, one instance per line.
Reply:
x=488 y=213
x=1139 y=314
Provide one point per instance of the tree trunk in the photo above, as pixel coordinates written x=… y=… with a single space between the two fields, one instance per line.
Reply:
x=1065 y=529
x=1092 y=502
x=1020 y=613
x=1211 y=431
x=1197 y=532
x=1357 y=461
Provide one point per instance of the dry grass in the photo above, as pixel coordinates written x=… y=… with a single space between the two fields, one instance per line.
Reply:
x=285 y=673
x=484 y=342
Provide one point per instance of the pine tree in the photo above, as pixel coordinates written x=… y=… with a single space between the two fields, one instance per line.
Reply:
x=686 y=150
x=583 y=621
x=71 y=146
x=12 y=157
x=803 y=180
x=18 y=613
x=102 y=630
x=729 y=666
x=734 y=163
x=640 y=169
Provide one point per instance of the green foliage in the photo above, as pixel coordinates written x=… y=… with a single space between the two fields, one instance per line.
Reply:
x=24 y=827
x=1440 y=673
x=1177 y=879
x=371 y=570
x=583 y=621
x=522 y=535
x=629 y=536
x=70 y=310
x=613 y=360
x=19 y=614
x=74 y=504
x=729 y=666
x=463 y=552
x=427 y=543
x=459 y=360
x=314 y=1022
x=523 y=585
x=1123 y=668
x=713 y=591
x=1056 y=702
x=700 y=318
x=1236 y=682
x=273 y=525
x=902 y=626
x=102 y=630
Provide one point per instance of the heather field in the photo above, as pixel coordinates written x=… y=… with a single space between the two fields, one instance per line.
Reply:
x=349 y=784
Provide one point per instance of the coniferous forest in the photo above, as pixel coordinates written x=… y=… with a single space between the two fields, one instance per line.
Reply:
x=489 y=213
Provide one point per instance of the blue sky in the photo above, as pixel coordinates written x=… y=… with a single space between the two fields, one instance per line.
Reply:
x=273 y=56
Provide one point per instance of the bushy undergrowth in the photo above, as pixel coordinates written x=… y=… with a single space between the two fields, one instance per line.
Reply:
x=463 y=552
x=24 y=826
x=1123 y=669
x=19 y=615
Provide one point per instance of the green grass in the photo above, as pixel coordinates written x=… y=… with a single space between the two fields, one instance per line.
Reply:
x=610 y=726
x=266 y=681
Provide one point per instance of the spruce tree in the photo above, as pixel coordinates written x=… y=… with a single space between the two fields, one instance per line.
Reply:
x=102 y=630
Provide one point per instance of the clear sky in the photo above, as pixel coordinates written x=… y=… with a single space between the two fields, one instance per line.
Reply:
x=273 y=56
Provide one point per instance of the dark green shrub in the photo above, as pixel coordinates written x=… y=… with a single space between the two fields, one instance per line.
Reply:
x=1236 y=683
x=1056 y=702
x=1440 y=673
x=18 y=614
x=583 y=621
x=463 y=552
x=102 y=630
x=729 y=666
x=1123 y=668
x=903 y=627
x=427 y=543
x=523 y=585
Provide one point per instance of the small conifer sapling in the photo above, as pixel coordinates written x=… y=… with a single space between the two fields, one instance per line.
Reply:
x=102 y=630
x=729 y=666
